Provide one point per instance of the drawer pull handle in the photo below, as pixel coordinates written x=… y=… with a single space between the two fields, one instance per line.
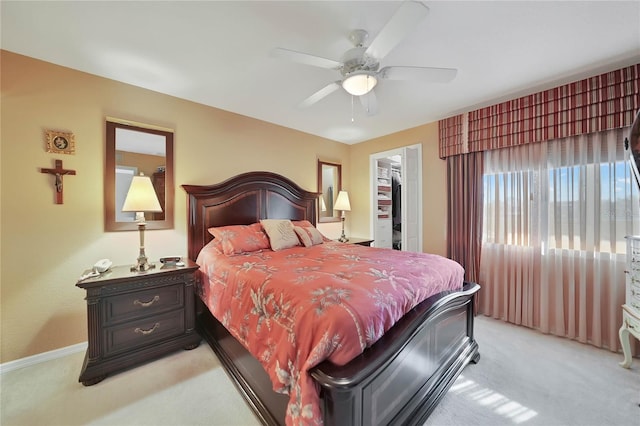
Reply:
x=146 y=304
x=149 y=331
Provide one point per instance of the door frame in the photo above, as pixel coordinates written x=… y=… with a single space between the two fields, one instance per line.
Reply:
x=373 y=189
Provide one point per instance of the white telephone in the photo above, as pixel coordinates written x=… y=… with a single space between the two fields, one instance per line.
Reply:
x=99 y=267
x=102 y=265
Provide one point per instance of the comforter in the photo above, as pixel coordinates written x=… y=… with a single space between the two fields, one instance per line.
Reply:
x=295 y=308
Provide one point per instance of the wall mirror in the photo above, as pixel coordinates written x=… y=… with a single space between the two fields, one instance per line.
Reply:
x=132 y=149
x=329 y=184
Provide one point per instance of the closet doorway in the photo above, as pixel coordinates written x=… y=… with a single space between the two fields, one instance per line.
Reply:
x=396 y=198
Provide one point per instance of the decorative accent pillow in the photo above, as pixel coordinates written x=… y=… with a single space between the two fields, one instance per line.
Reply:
x=302 y=223
x=307 y=224
x=309 y=235
x=237 y=239
x=281 y=233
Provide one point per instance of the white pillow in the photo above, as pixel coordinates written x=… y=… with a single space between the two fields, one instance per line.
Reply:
x=281 y=234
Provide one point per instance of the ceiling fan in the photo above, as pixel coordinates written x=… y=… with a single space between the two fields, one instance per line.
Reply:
x=360 y=65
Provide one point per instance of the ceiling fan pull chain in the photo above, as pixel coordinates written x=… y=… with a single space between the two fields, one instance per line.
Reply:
x=352 y=118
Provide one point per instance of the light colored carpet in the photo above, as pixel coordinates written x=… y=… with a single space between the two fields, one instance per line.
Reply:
x=523 y=377
x=528 y=378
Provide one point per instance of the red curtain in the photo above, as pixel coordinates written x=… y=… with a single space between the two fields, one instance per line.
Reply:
x=464 y=222
x=603 y=102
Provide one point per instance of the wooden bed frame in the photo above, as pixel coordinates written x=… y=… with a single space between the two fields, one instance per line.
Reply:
x=399 y=380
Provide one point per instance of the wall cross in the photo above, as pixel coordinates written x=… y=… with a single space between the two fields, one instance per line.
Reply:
x=58 y=172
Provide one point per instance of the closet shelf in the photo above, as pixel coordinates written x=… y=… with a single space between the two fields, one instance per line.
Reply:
x=384 y=202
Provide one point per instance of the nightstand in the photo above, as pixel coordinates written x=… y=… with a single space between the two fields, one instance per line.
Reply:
x=359 y=241
x=136 y=317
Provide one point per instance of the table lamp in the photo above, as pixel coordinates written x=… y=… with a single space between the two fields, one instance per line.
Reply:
x=343 y=205
x=141 y=198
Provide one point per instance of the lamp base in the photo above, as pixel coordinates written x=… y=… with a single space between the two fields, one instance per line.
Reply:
x=343 y=238
x=142 y=265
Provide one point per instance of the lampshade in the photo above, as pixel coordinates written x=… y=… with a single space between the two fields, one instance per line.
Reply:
x=323 y=206
x=342 y=202
x=359 y=83
x=141 y=196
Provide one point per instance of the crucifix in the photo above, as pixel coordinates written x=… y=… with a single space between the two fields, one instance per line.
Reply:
x=58 y=172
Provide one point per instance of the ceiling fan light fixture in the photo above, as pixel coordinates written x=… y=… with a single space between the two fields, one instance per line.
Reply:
x=359 y=83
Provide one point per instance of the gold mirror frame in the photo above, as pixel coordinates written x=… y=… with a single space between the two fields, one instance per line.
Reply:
x=329 y=184
x=162 y=178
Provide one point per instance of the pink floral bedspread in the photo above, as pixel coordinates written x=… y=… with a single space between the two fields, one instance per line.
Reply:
x=295 y=308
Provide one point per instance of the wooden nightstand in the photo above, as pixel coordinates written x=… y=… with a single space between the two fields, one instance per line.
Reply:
x=136 y=317
x=359 y=241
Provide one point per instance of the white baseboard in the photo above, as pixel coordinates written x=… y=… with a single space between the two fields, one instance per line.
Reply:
x=43 y=357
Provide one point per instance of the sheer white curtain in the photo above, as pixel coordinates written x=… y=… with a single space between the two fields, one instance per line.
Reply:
x=553 y=252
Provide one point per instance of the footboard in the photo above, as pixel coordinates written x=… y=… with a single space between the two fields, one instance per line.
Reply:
x=401 y=378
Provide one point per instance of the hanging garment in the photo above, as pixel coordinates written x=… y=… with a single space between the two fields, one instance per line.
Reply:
x=396 y=211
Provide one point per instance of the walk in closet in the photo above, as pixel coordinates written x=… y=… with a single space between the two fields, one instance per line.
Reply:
x=389 y=213
x=396 y=178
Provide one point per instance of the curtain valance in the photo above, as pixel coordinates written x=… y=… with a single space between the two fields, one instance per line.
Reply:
x=606 y=101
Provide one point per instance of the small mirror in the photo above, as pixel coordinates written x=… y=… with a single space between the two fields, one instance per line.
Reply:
x=133 y=149
x=329 y=184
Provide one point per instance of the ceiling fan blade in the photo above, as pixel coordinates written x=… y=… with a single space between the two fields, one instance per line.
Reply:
x=430 y=74
x=305 y=58
x=404 y=20
x=369 y=102
x=320 y=94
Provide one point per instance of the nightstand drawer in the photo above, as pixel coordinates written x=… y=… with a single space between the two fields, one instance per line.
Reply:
x=142 y=303
x=634 y=300
x=143 y=332
x=630 y=320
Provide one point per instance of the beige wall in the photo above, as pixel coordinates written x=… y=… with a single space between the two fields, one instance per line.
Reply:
x=434 y=172
x=44 y=247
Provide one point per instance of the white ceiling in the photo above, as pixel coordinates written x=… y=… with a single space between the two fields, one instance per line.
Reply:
x=217 y=53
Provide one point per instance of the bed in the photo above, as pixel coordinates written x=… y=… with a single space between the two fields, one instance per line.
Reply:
x=399 y=379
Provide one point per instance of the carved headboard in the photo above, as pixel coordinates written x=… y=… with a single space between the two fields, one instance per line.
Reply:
x=242 y=200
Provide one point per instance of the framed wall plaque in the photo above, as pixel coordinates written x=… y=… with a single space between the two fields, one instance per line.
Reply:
x=60 y=142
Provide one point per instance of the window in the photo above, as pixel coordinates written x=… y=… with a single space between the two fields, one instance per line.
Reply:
x=555 y=218
x=507 y=207
x=578 y=201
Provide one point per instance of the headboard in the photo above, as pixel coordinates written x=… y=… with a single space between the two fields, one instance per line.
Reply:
x=242 y=200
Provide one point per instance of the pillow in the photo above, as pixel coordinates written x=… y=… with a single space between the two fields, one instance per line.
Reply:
x=216 y=244
x=309 y=235
x=236 y=239
x=307 y=224
x=281 y=233
x=302 y=223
